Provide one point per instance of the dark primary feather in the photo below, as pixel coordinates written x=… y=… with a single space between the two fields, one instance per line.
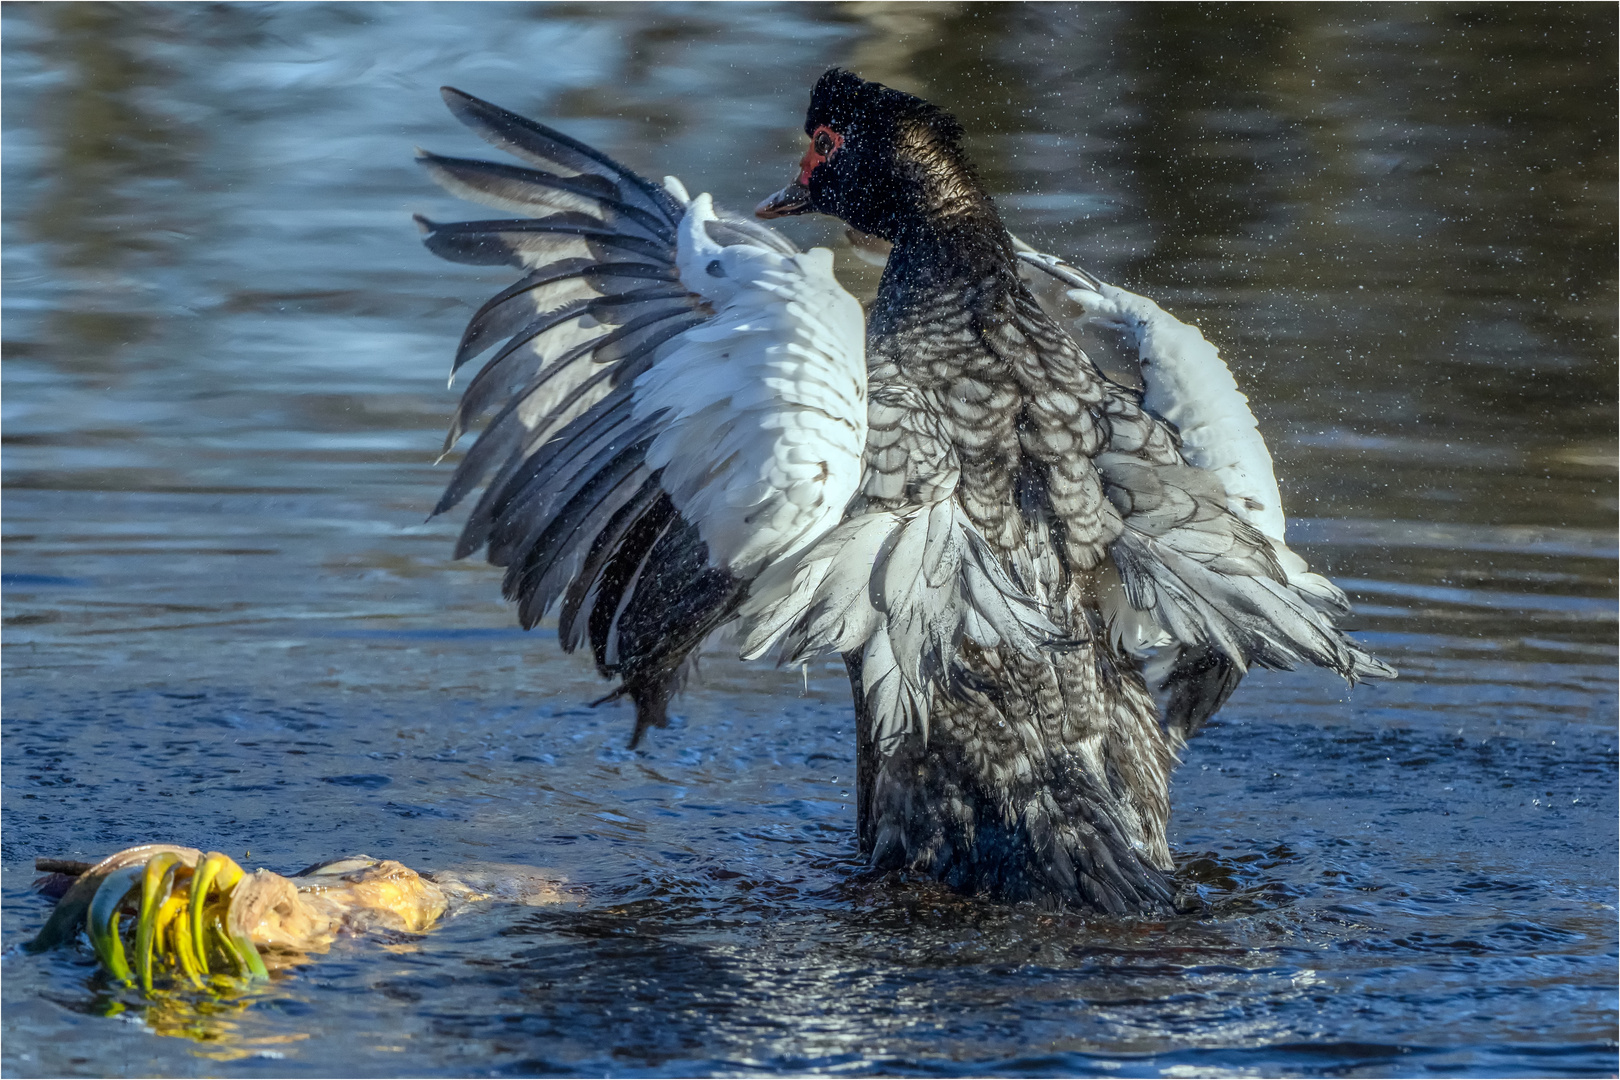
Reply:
x=535 y=503
x=535 y=193
x=618 y=474
x=531 y=242
x=547 y=147
x=587 y=588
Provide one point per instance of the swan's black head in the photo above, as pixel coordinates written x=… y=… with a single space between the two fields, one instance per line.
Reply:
x=879 y=158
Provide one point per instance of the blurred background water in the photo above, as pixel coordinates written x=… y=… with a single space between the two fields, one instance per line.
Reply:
x=226 y=623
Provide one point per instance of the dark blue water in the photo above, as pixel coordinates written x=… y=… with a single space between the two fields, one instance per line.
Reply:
x=226 y=624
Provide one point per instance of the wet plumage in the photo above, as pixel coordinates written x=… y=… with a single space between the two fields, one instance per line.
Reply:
x=690 y=427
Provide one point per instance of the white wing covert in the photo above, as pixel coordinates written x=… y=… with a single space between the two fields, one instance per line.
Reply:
x=764 y=404
x=678 y=402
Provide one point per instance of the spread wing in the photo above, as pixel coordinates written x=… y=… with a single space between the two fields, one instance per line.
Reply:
x=1202 y=558
x=677 y=399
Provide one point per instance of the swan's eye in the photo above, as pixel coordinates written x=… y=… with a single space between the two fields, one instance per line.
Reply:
x=823 y=141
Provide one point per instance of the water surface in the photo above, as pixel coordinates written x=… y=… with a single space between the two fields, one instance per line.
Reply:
x=228 y=625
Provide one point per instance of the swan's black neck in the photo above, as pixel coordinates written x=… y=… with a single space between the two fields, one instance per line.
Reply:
x=946 y=234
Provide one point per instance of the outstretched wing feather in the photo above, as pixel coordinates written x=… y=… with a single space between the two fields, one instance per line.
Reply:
x=537 y=194
x=565 y=284
x=542 y=145
x=526 y=364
